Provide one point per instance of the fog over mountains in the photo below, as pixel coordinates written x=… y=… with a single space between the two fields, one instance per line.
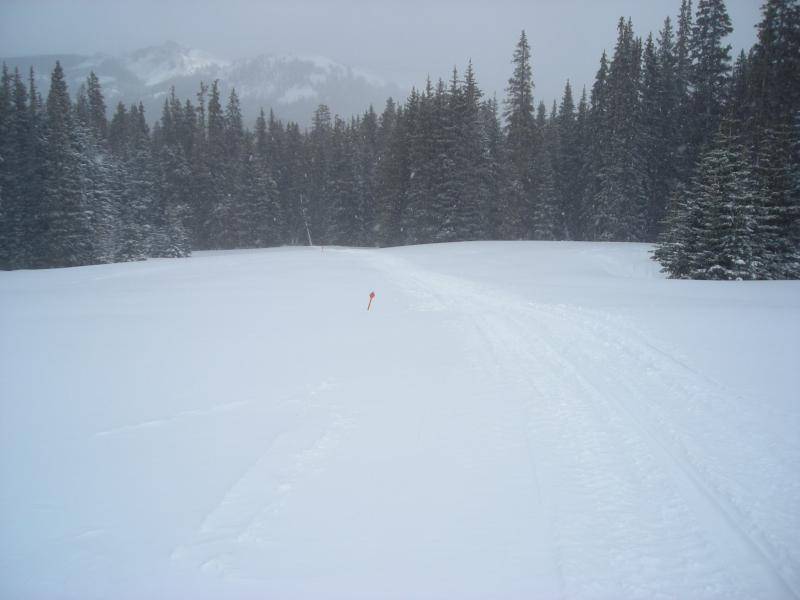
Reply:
x=293 y=86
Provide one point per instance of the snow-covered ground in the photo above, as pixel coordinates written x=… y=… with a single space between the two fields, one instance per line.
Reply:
x=509 y=420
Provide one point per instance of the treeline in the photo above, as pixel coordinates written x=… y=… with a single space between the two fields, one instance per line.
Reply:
x=66 y=197
x=671 y=143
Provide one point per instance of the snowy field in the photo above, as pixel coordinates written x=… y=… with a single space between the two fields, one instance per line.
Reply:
x=509 y=420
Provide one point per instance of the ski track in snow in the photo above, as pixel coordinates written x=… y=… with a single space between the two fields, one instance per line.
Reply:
x=588 y=406
x=200 y=412
x=222 y=542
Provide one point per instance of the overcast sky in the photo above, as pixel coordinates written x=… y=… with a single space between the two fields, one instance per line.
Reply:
x=401 y=40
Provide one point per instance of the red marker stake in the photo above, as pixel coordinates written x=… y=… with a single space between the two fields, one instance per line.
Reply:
x=371 y=296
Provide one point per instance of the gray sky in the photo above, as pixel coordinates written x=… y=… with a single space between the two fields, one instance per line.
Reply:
x=401 y=40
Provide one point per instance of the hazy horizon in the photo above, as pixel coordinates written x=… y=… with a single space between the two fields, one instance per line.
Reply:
x=400 y=44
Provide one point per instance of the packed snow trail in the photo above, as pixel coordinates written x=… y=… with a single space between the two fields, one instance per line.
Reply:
x=596 y=414
x=508 y=420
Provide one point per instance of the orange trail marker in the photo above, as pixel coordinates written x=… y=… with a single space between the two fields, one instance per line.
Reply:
x=371 y=296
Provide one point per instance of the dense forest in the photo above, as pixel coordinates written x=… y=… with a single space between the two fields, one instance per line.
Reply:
x=675 y=143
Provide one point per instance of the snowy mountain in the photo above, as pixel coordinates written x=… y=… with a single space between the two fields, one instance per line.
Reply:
x=508 y=420
x=291 y=85
x=157 y=64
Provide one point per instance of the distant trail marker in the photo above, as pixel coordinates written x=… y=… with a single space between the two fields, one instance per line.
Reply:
x=371 y=296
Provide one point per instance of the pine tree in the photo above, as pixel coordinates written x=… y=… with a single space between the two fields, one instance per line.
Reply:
x=675 y=242
x=342 y=222
x=175 y=183
x=261 y=136
x=683 y=121
x=293 y=189
x=774 y=73
x=118 y=130
x=15 y=162
x=180 y=182
x=393 y=174
x=260 y=196
x=235 y=212
x=437 y=220
x=218 y=165
x=495 y=169
x=35 y=173
x=776 y=169
x=368 y=151
x=660 y=126
x=144 y=225
x=66 y=236
x=203 y=161
x=739 y=105
x=545 y=218
x=102 y=180
x=710 y=69
x=715 y=229
x=683 y=50
x=597 y=132
x=583 y=177
x=569 y=164
x=97 y=118
x=315 y=198
x=416 y=218
x=520 y=142
x=620 y=203
x=468 y=193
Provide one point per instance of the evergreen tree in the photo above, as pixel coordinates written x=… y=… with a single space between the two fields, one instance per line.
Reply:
x=64 y=229
x=144 y=224
x=674 y=247
x=661 y=141
x=260 y=195
x=715 y=229
x=368 y=151
x=262 y=136
x=583 y=176
x=315 y=207
x=776 y=168
x=470 y=160
x=739 y=105
x=34 y=173
x=683 y=123
x=597 y=132
x=416 y=222
x=569 y=165
x=774 y=74
x=203 y=161
x=495 y=171
x=520 y=142
x=621 y=200
x=6 y=228
x=234 y=211
x=545 y=218
x=343 y=219
x=218 y=164
x=15 y=162
x=434 y=218
x=683 y=50
x=179 y=180
x=710 y=69
x=102 y=180
x=96 y=106
x=118 y=130
x=293 y=190
x=393 y=174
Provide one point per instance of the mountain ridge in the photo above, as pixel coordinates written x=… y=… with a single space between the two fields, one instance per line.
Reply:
x=292 y=85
